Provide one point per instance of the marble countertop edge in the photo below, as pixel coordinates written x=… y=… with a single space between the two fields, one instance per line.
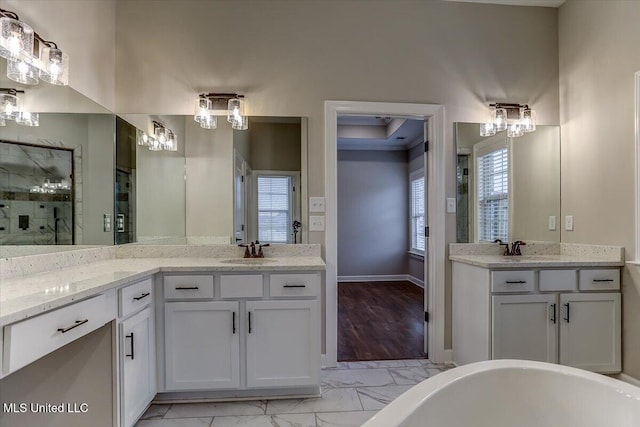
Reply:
x=534 y=261
x=36 y=294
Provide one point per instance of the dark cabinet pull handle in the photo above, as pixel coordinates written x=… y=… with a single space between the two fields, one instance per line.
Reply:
x=187 y=288
x=78 y=323
x=603 y=280
x=567 y=318
x=512 y=282
x=146 y=294
x=553 y=319
x=130 y=355
x=294 y=286
x=234 y=322
x=249 y=322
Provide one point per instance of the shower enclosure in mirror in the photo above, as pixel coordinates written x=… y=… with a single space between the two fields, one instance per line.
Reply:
x=36 y=195
x=66 y=161
x=507 y=188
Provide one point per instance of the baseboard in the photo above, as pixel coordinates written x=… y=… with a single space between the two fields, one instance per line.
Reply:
x=448 y=356
x=415 y=281
x=383 y=278
x=629 y=379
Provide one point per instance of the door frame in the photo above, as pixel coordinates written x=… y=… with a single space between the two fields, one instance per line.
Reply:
x=435 y=188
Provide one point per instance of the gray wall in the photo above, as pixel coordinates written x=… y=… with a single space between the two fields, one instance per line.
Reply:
x=373 y=207
x=274 y=146
x=598 y=58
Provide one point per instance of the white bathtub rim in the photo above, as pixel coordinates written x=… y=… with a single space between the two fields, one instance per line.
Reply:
x=396 y=412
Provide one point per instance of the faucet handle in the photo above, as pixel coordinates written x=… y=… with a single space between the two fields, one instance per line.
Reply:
x=507 y=252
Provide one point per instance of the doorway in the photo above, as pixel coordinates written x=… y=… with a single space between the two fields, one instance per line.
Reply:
x=381 y=237
x=435 y=212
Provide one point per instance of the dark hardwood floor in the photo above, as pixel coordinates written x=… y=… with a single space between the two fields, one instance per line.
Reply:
x=380 y=321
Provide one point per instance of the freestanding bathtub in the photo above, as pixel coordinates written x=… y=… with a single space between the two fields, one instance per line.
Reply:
x=514 y=393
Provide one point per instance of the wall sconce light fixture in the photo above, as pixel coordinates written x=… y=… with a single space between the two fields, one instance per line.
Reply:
x=30 y=58
x=516 y=119
x=163 y=138
x=208 y=104
x=10 y=109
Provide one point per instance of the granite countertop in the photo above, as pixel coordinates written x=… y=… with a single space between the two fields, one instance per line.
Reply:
x=29 y=295
x=535 y=261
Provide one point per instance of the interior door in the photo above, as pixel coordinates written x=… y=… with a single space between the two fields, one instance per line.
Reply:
x=426 y=240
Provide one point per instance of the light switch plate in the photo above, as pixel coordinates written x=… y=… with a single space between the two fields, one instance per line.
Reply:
x=316 y=223
x=316 y=204
x=568 y=223
x=107 y=223
x=451 y=204
x=552 y=222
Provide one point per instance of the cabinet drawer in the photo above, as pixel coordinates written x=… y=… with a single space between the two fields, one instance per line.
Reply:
x=599 y=280
x=294 y=285
x=188 y=287
x=241 y=286
x=30 y=339
x=558 y=280
x=134 y=297
x=513 y=281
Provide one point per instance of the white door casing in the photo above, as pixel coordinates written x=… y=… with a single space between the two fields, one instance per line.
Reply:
x=435 y=189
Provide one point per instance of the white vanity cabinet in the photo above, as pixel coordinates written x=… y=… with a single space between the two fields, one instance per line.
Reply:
x=282 y=343
x=136 y=348
x=590 y=331
x=523 y=327
x=566 y=316
x=202 y=345
x=254 y=330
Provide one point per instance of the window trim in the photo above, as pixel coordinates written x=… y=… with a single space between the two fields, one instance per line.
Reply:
x=294 y=207
x=490 y=145
x=413 y=176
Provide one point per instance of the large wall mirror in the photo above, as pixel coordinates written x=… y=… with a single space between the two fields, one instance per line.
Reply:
x=56 y=178
x=507 y=188
x=219 y=185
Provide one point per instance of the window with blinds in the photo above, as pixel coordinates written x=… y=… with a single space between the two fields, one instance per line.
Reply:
x=417 y=215
x=274 y=208
x=493 y=195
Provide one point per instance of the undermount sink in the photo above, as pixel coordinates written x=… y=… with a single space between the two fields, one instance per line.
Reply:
x=525 y=258
x=248 y=261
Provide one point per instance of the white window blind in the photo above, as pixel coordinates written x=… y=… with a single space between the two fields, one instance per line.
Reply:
x=274 y=208
x=493 y=195
x=417 y=214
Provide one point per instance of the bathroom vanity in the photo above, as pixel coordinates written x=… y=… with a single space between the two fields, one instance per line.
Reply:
x=552 y=307
x=208 y=325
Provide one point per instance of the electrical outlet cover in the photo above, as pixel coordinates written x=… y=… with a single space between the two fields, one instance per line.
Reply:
x=316 y=223
x=316 y=204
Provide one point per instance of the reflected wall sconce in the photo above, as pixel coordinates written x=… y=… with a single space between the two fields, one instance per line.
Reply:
x=208 y=104
x=30 y=58
x=11 y=109
x=163 y=138
x=516 y=119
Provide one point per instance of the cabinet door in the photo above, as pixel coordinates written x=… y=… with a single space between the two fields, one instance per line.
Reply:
x=283 y=343
x=525 y=327
x=137 y=365
x=590 y=331
x=202 y=348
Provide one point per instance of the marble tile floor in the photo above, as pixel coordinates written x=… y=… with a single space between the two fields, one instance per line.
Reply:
x=351 y=394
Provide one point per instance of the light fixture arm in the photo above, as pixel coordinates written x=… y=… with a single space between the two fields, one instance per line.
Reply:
x=10 y=91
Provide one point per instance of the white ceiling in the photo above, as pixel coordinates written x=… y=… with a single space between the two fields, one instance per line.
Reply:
x=541 y=3
x=378 y=133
